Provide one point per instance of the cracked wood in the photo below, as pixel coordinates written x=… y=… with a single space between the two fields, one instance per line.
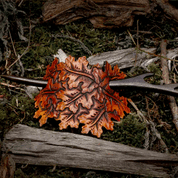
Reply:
x=29 y=145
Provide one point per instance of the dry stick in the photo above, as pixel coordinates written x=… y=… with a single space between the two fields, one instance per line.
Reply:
x=158 y=135
x=165 y=76
x=152 y=126
x=140 y=115
x=131 y=38
x=12 y=44
x=142 y=118
x=144 y=32
x=157 y=55
x=136 y=56
x=20 y=63
x=155 y=132
x=8 y=85
x=20 y=3
x=137 y=33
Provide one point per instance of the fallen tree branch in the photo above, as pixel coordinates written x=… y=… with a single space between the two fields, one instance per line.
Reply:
x=102 y=14
x=35 y=146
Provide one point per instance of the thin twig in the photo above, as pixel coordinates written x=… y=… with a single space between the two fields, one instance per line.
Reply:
x=12 y=43
x=20 y=3
x=144 y=32
x=21 y=120
x=131 y=38
x=24 y=166
x=153 y=54
x=136 y=56
x=137 y=33
x=143 y=118
x=12 y=86
x=153 y=109
x=54 y=168
x=20 y=63
x=140 y=115
x=14 y=111
x=22 y=68
x=158 y=136
x=154 y=131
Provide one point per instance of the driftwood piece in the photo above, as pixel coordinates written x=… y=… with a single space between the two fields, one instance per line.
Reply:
x=35 y=146
x=125 y=58
x=101 y=13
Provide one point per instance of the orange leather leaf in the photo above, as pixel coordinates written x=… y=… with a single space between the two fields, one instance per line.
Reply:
x=78 y=94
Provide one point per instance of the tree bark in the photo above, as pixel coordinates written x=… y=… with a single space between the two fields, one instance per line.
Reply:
x=101 y=13
x=35 y=146
x=168 y=8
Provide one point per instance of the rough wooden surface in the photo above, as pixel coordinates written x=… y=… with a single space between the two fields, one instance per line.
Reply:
x=104 y=13
x=125 y=58
x=29 y=145
x=169 y=9
x=101 y=13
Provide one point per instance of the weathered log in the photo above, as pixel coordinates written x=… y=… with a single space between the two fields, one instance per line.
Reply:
x=35 y=146
x=101 y=13
x=125 y=58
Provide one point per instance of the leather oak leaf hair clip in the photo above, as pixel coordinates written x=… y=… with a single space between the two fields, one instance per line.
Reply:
x=75 y=93
x=78 y=94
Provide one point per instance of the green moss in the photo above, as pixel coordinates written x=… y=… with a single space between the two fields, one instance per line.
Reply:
x=129 y=132
x=14 y=108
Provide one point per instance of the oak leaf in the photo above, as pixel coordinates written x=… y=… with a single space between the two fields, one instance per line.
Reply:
x=78 y=94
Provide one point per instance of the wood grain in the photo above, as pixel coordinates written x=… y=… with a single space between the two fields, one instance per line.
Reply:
x=124 y=58
x=101 y=13
x=35 y=146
